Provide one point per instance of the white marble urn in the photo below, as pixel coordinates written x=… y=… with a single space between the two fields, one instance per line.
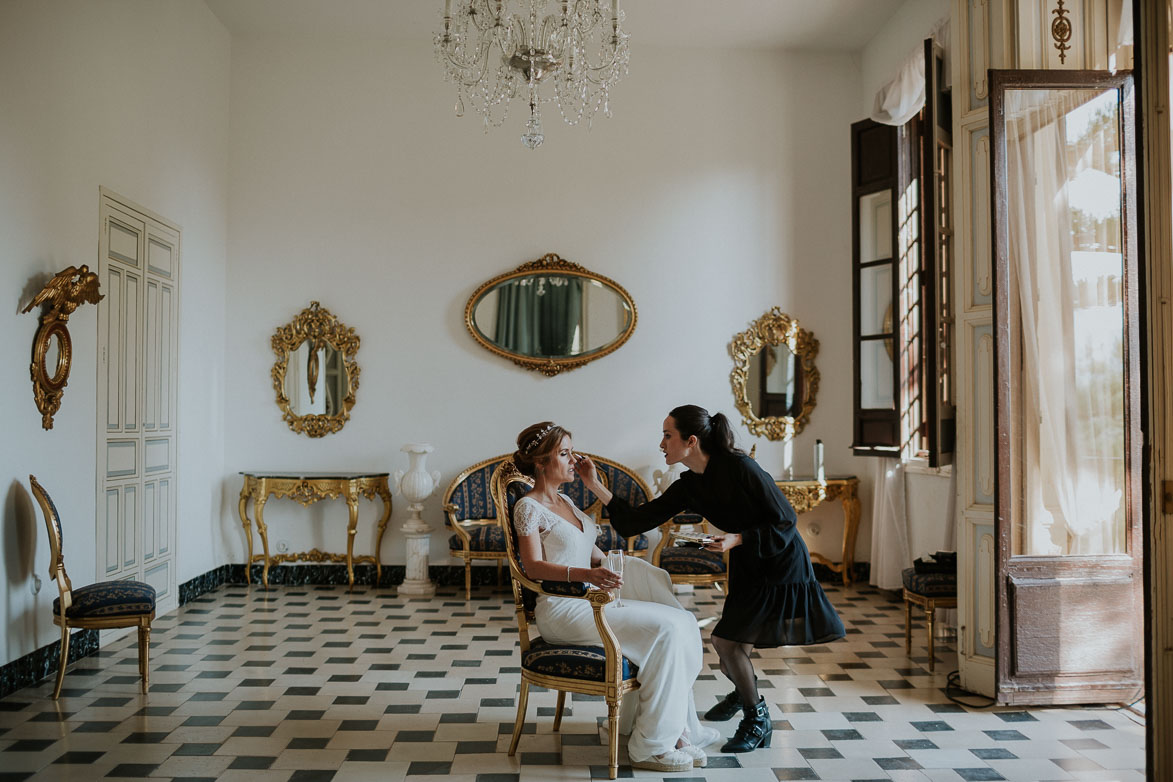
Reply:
x=416 y=485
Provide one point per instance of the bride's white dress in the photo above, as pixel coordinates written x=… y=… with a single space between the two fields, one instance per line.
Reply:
x=654 y=631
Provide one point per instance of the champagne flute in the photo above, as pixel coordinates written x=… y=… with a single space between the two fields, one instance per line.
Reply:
x=614 y=563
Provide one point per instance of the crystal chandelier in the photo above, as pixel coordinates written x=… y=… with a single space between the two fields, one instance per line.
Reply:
x=496 y=50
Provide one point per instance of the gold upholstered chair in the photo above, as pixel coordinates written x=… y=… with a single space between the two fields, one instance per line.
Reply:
x=688 y=565
x=98 y=606
x=599 y=670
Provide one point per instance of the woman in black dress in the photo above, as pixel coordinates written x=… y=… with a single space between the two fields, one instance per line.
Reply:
x=777 y=600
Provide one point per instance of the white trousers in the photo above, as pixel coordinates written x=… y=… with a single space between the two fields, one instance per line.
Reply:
x=657 y=634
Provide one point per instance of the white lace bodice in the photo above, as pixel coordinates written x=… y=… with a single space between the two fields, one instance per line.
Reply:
x=562 y=542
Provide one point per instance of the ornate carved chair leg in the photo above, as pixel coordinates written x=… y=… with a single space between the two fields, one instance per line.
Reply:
x=558 y=710
x=64 y=661
x=468 y=579
x=612 y=739
x=930 y=610
x=522 y=699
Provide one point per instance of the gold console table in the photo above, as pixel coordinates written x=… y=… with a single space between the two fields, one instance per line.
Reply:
x=807 y=493
x=307 y=488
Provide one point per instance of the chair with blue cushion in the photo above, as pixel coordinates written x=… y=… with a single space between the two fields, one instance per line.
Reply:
x=99 y=606
x=468 y=504
x=930 y=591
x=687 y=565
x=599 y=670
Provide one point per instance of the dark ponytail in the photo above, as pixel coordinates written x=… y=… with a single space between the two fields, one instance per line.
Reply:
x=714 y=432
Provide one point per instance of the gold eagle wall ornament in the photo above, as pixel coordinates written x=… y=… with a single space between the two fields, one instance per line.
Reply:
x=69 y=289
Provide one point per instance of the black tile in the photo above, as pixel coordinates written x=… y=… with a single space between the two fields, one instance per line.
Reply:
x=415 y=735
x=817 y=692
x=994 y=753
x=254 y=731
x=478 y=747
x=819 y=753
x=1005 y=735
x=892 y=764
x=428 y=767
x=540 y=759
x=842 y=735
x=723 y=761
x=133 y=770
x=145 y=738
x=978 y=774
x=203 y=721
x=254 y=762
x=30 y=745
x=1090 y=724
x=457 y=718
x=795 y=708
x=907 y=744
x=498 y=778
x=313 y=775
x=880 y=700
x=197 y=749
x=305 y=714
x=358 y=725
x=931 y=726
x=862 y=716
x=946 y=708
x=367 y=755
x=1016 y=716
x=402 y=708
x=79 y=758
x=307 y=742
x=805 y=772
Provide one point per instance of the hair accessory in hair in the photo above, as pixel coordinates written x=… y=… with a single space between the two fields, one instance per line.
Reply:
x=537 y=438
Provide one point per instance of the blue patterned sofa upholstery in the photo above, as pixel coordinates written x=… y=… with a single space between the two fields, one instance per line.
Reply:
x=687 y=565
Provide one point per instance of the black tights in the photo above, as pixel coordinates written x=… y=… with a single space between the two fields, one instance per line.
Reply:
x=738 y=667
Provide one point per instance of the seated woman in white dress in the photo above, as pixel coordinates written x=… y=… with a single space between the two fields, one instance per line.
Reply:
x=556 y=542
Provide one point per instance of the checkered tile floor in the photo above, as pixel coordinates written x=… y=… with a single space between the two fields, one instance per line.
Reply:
x=310 y=684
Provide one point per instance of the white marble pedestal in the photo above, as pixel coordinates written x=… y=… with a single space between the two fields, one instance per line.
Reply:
x=417 y=484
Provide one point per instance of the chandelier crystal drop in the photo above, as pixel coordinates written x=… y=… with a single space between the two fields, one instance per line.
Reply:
x=499 y=50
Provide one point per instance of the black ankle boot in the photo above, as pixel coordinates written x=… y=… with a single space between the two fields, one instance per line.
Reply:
x=725 y=709
x=753 y=731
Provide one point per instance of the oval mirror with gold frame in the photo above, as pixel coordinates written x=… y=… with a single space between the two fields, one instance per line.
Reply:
x=550 y=315
x=774 y=377
x=316 y=375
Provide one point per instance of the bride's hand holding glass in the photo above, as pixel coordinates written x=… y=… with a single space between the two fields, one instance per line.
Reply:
x=603 y=577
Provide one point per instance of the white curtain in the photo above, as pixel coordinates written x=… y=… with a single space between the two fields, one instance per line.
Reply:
x=890 y=554
x=900 y=99
x=1066 y=269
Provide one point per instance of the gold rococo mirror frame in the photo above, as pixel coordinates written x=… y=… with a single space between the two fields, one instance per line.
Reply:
x=774 y=328
x=550 y=366
x=318 y=326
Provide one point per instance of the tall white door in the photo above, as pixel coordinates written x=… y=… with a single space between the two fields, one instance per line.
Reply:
x=137 y=369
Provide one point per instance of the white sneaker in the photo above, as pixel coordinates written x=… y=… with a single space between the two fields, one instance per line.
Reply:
x=673 y=760
x=699 y=758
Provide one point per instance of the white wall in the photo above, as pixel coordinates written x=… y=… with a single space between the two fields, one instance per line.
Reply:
x=719 y=188
x=131 y=95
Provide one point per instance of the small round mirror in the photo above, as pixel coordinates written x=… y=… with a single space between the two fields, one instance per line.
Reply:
x=54 y=364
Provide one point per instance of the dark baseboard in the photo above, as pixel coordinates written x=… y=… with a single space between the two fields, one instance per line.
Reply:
x=43 y=662
x=38 y=664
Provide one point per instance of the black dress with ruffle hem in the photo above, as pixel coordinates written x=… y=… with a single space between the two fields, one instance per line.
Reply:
x=776 y=600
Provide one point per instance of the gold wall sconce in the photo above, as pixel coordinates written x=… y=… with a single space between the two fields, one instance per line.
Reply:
x=52 y=347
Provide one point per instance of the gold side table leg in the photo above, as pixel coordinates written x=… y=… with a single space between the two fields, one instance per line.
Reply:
x=259 y=509
x=245 y=493
x=850 y=530
x=351 y=531
x=385 y=494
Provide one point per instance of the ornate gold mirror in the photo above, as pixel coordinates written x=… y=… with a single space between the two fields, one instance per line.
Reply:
x=52 y=347
x=550 y=315
x=774 y=377
x=316 y=374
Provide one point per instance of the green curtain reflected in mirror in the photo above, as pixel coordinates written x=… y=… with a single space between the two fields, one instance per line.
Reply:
x=540 y=316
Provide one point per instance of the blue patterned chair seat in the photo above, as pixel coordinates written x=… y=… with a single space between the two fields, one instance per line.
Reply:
x=486 y=538
x=608 y=540
x=685 y=561
x=109 y=599
x=930 y=584
x=575 y=662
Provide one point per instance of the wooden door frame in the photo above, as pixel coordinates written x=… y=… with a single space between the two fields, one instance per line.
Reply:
x=1085 y=689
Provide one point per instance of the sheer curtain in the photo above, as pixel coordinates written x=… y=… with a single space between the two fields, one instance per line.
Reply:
x=1066 y=267
x=890 y=554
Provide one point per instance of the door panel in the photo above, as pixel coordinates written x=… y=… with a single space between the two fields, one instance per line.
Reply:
x=1067 y=481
